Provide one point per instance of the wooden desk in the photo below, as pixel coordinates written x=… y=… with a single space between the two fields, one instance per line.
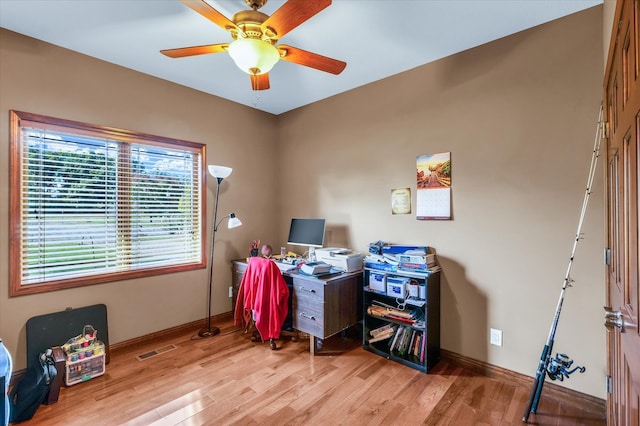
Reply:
x=321 y=307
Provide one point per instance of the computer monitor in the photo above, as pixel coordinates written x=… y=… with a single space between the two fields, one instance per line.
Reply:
x=307 y=232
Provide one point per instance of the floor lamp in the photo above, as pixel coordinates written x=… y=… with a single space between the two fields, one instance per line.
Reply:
x=220 y=173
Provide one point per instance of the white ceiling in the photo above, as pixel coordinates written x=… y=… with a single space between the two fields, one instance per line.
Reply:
x=377 y=38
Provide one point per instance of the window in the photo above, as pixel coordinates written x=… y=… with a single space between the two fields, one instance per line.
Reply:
x=91 y=204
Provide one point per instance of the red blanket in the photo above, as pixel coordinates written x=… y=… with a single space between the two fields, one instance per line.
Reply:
x=264 y=294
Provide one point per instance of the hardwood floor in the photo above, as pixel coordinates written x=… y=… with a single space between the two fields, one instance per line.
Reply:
x=227 y=379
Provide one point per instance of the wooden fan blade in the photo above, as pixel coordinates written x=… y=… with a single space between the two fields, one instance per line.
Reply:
x=181 y=52
x=259 y=82
x=210 y=13
x=293 y=13
x=312 y=60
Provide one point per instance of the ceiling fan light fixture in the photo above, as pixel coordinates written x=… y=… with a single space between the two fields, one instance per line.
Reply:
x=253 y=56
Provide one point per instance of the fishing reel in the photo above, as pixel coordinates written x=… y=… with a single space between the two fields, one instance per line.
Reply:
x=560 y=367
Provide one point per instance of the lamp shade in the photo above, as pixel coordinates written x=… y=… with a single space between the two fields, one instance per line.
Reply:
x=253 y=56
x=234 y=222
x=219 y=171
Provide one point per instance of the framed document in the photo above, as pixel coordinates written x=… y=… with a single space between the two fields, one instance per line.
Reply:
x=401 y=201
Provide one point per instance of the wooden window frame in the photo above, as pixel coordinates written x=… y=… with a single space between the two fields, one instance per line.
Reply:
x=18 y=121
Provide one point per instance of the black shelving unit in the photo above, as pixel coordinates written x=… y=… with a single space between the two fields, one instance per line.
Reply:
x=426 y=311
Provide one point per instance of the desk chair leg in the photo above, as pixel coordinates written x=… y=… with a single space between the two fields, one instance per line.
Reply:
x=294 y=335
x=255 y=337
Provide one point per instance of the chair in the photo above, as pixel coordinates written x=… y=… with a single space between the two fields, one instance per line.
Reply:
x=263 y=300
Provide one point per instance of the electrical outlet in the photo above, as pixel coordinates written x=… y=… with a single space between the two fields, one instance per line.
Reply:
x=230 y=291
x=496 y=337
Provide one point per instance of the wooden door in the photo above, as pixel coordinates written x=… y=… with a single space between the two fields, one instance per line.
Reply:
x=622 y=115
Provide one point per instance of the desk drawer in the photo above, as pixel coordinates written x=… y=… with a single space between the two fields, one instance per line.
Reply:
x=309 y=289
x=309 y=319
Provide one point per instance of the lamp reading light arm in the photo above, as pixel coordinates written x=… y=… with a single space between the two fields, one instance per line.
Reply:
x=234 y=222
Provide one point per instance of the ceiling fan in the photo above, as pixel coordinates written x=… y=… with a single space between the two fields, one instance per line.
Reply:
x=255 y=35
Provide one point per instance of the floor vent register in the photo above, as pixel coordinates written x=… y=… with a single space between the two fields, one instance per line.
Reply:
x=155 y=352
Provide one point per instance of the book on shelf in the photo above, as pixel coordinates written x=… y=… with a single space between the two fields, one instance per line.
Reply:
x=377 y=311
x=390 y=259
x=411 y=317
x=381 y=337
x=428 y=259
x=412 y=341
x=418 y=345
x=418 y=267
x=406 y=342
x=396 y=336
x=382 y=333
x=420 y=271
x=381 y=330
x=402 y=340
x=401 y=319
x=378 y=266
x=381 y=311
x=399 y=313
x=401 y=249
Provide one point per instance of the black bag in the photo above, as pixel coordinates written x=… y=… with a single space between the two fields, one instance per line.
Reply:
x=31 y=391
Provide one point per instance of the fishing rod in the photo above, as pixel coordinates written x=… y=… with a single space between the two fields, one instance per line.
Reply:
x=560 y=367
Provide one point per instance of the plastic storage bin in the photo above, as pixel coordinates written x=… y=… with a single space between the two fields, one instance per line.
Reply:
x=85 y=357
x=84 y=369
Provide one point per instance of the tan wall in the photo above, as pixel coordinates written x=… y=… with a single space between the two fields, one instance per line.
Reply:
x=519 y=117
x=44 y=79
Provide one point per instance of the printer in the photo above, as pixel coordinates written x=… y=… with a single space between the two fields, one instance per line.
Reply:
x=340 y=258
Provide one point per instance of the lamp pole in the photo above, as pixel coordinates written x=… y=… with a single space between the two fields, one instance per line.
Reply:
x=220 y=173
x=209 y=331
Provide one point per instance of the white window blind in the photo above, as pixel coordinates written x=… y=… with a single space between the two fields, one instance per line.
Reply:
x=93 y=206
